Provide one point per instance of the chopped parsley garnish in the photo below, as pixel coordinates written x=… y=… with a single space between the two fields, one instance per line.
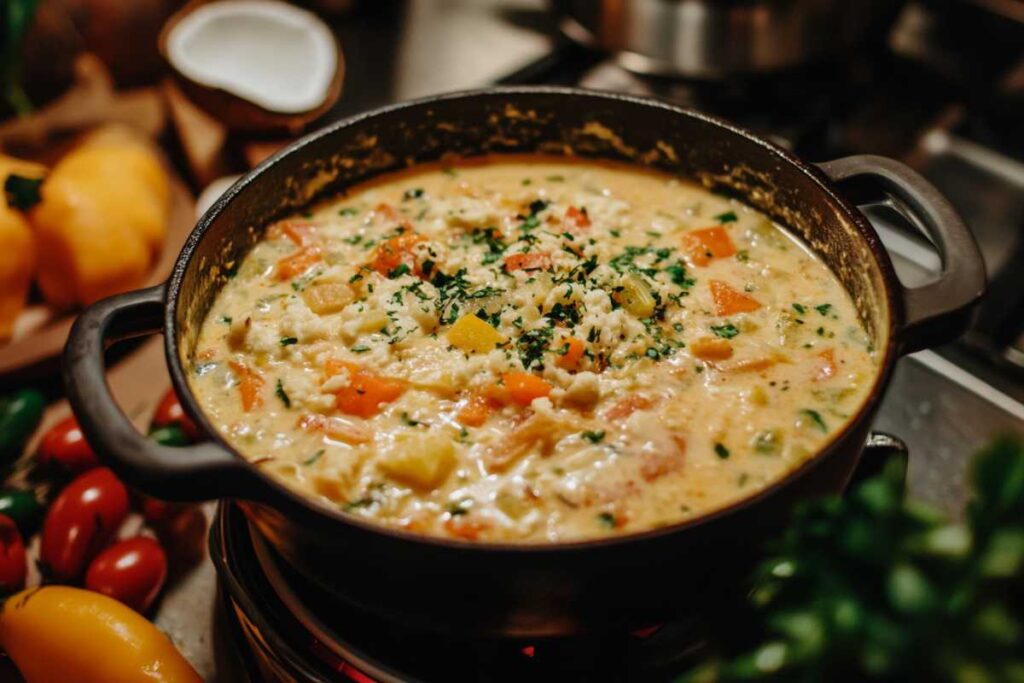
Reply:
x=362 y=348
x=22 y=193
x=413 y=193
x=398 y=271
x=353 y=240
x=721 y=451
x=565 y=313
x=824 y=309
x=595 y=436
x=743 y=255
x=726 y=331
x=313 y=458
x=532 y=345
x=226 y=319
x=281 y=394
x=349 y=211
x=766 y=442
x=816 y=418
x=288 y=341
x=727 y=217
x=460 y=507
x=677 y=271
x=409 y=421
x=652 y=353
x=800 y=308
x=606 y=519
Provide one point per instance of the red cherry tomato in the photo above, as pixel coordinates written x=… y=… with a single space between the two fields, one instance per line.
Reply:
x=64 y=446
x=13 y=565
x=132 y=571
x=170 y=412
x=83 y=518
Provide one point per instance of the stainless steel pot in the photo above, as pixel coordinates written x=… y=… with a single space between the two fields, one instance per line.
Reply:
x=711 y=39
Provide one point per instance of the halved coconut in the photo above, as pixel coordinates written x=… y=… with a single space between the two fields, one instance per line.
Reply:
x=257 y=65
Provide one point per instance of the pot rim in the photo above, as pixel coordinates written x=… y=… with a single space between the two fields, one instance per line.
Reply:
x=322 y=514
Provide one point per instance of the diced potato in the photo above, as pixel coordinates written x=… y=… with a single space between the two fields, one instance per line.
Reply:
x=327 y=297
x=512 y=503
x=635 y=296
x=348 y=430
x=420 y=459
x=473 y=335
x=373 y=321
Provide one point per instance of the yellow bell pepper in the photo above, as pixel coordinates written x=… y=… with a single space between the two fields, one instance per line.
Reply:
x=17 y=248
x=57 y=633
x=101 y=220
x=472 y=335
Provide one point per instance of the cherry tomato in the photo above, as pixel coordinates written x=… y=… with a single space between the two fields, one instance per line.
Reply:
x=170 y=413
x=64 y=446
x=83 y=518
x=131 y=571
x=13 y=565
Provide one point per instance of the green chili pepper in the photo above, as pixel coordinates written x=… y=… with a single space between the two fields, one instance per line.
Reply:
x=20 y=414
x=23 y=507
x=171 y=435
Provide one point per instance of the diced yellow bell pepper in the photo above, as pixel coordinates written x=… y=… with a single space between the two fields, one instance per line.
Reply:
x=420 y=459
x=635 y=296
x=472 y=335
x=102 y=218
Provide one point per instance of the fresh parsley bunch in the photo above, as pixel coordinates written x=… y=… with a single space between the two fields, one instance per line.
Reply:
x=873 y=587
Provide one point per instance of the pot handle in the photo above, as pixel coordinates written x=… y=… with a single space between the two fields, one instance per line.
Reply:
x=940 y=311
x=199 y=472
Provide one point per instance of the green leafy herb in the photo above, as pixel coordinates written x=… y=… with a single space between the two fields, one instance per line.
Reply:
x=743 y=255
x=281 y=394
x=872 y=587
x=398 y=271
x=800 y=308
x=726 y=331
x=409 y=421
x=361 y=348
x=595 y=436
x=606 y=519
x=727 y=217
x=412 y=193
x=824 y=309
x=288 y=341
x=721 y=451
x=313 y=458
x=22 y=193
x=349 y=211
x=459 y=507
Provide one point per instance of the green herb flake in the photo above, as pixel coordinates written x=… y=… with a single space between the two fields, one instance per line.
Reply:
x=398 y=271
x=726 y=331
x=816 y=418
x=743 y=255
x=595 y=436
x=727 y=217
x=281 y=394
x=721 y=451
x=349 y=211
x=288 y=341
x=361 y=348
x=407 y=420
x=606 y=519
x=824 y=309
x=413 y=193
x=800 y=308
x=313 y=458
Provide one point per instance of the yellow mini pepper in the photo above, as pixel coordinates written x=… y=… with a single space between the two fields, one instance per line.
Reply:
x=17 y=248
x=101 y=220
x=58 y=634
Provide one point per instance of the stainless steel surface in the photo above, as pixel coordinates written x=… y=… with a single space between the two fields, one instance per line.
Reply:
x=718 y=38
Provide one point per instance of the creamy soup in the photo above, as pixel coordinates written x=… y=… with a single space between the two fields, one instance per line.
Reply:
x=530 y=350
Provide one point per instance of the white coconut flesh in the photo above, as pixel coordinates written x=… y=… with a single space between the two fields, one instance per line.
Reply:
x=272 y=54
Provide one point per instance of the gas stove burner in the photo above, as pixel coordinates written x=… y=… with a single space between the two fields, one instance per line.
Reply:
x=289 y=630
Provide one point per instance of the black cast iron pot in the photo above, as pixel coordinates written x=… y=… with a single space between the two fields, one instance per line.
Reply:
x=490 y=588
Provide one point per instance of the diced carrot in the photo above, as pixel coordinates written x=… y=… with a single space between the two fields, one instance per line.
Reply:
x=707 y=244
x=366 y=392
x=397 y=251
x=461 y=527
x=751 y=364
x=302 y=233
x=532 y=261
x=573 y=348
x=523 y=387
x=628 y=406
x=297 y=263
x=476 y=411
x=826 y=365
x=729 y=301
x=710 y=348
x=249 y=385
x=497 y=394
x=577 y=218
